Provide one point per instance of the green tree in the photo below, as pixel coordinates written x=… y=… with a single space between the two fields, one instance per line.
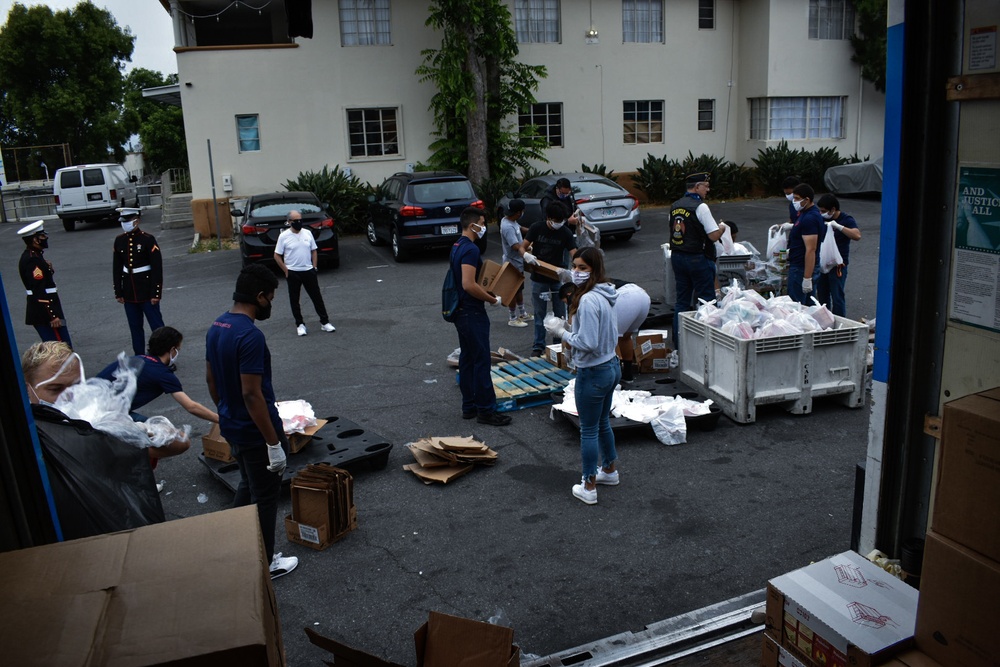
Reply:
x=869 y=42
x=480 y=85
x=61 y=80
x=160 y=127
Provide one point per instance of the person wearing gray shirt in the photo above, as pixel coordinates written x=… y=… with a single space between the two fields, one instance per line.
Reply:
x=511 y=237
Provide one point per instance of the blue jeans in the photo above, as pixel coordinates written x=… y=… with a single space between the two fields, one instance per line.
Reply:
x=540 y=305
x=795 y=276
x=830 y=291
x=694 y=278
x=474 y=378
x=134 y=313
x=261 y=486
x=595 y=386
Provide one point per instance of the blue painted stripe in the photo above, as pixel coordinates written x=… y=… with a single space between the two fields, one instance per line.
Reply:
x=892 y=142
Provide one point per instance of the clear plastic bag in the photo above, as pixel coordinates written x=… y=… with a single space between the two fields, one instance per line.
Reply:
x=829 y=253
x=709 y=314
x=777 y=240
x=778 y=327
x=738 y=329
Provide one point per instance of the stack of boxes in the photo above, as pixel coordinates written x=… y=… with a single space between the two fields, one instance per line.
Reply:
x=959 y=611
x=323 y=508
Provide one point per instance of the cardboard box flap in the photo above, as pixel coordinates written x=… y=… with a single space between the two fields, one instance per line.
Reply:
x=345 y=655
x=63 y=643
x=47 y=571
x=450 y=641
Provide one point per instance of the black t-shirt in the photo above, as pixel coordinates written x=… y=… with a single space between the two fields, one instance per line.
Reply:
x=548 y=244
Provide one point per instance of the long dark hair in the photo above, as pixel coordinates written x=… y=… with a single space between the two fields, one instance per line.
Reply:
x=593 y=258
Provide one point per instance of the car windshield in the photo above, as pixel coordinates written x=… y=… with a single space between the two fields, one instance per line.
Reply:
x=442 y=191
x=281 y=208
x=600 y=187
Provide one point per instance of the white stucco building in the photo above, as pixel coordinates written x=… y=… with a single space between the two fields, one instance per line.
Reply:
x=626 y=78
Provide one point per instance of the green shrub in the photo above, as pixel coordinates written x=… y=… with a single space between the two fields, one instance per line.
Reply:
x=775 y=163
x=815 y=164
x=663 y=180
x=492 y=190
x=346 y=196
x=601 y=170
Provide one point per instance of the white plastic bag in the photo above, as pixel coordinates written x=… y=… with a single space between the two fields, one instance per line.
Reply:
x=829 y=253
x=669 y=426
x=777 y=240
x=727 y=242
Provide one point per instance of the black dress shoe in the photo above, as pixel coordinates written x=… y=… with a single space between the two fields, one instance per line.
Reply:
x=469 y=415
x=494 y=419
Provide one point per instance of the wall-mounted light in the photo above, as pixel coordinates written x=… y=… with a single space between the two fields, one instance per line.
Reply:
x=188 y=84
x=592 y=33
x=590 y=37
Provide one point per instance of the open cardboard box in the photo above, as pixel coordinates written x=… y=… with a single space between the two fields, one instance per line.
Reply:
x=215 y=446
x=544 y=269
x=652 y=353
x=500 y=280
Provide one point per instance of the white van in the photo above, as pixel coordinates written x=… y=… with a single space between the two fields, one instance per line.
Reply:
x=90 y=192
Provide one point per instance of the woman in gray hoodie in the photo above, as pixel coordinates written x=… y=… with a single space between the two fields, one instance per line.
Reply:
x=592 y=342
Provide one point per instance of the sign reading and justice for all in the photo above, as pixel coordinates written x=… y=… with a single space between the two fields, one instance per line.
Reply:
x=975 y=284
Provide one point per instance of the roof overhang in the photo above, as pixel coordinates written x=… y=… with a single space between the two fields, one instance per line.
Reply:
x=164 y=94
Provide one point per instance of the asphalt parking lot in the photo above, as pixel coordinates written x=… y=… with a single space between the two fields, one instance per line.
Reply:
x=689 y=525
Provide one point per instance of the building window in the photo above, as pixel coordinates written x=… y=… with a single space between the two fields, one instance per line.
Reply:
x=797 y=117
x=642 y=21
x=546 y=118
x=373 y=132
x=831 y=19
x=706 y=114
x=706 y=14
x=248 y=133
x=365 y=22
x=643 y=122
x=536 y=21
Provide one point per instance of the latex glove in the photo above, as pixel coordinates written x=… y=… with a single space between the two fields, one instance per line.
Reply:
x=276 y=458
x=565 y=276
x=807 y=285
x=556 y=326
x=787 y=227
x=835 y=225
x=497 y=301
x=530 y=259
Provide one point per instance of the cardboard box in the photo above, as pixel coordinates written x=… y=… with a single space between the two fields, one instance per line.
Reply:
x=968 y=474
x=554 y=355
x=544 y=269
x=298 y=441
x=154 y=595
x=323 y=508
x=500 y=280
x=652 y=352
x=959 y=610
x=913 y=658
x=843 y=610
x=215 y=446
x=773 y=655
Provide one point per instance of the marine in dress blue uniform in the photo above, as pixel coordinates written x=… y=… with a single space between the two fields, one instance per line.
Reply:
x=137 y=274
x=43 y=310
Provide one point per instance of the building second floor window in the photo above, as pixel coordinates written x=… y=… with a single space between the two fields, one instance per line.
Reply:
x=706 y=114
x=248 y=133
x=365 y=22
x=773 y=118
x=642 y=21
x=643 y=122
x=373 y=132
x=831 y=19
x=536 y=21
x=706 y=14
x=546 y=119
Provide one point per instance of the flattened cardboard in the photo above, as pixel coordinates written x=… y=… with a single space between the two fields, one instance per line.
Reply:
x=442 y=475
x=427 y=456
x=297 y=441
x=968 y=474
x=215 y=446
x=460 y=444
x=147 y=592
x=323 y=510
x=959 y=604
x=843 y=610
x=450 y=641
x=345 y=655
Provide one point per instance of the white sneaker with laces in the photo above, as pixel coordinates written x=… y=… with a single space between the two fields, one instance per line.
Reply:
x=282 y=566
x=301 y=330
x=581 y=492
x=527 y=317
x=328 y=327
x=608 y=478
x=517 y=322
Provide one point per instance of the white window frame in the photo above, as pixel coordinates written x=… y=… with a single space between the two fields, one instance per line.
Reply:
x=706 y=13
x=385 y=135
x=642 y=21
x=545 y=116
x=537 y=21
x=374 y=17
x=647 y=122
x=706 y=115
x=797 y=118
x=831 y=19
x=240 y=139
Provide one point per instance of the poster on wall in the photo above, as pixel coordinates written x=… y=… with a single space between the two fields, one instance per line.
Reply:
x=975 y=280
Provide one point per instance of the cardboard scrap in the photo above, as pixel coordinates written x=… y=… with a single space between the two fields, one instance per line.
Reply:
x=442 y=459
x=323 y=508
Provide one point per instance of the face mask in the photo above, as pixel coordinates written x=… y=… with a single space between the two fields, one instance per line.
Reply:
x=296 y=224
x=827 y=216
x=263 y=312
x=797 y=205
x=128 y=226
x=580 y=277
x=789 y=196
x=59 y=372
x=563 y=196
x=480 y=231
x=173 y=357
x=556 y=225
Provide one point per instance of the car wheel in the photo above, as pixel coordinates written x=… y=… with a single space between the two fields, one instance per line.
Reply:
x=624 y=237
x=398 y=252
x=69 y=225
x=372 y=234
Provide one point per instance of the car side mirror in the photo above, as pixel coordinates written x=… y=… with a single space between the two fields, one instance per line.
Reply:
x=236 y=212
x=133 y=178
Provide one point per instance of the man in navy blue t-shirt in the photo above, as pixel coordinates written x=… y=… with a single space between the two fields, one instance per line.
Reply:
x=830 y=286
x=803 y=245
x=238 y=372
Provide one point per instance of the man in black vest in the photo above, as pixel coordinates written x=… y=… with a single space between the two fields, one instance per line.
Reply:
x=693 y=231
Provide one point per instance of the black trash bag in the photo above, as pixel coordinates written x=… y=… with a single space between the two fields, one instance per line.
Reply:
x=100 y=484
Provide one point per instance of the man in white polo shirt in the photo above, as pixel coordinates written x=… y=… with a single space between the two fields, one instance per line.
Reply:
x=298 y=258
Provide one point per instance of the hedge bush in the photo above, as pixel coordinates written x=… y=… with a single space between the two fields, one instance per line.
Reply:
x=663 y=180
x=775 y=163
x=346 y=196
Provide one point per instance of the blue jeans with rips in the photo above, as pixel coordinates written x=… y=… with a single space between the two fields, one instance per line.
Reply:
x=694 y=278
x=474 y=377
x=595 y=386
x=540 y=305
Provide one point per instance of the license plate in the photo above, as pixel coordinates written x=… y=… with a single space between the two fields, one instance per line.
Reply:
x=94 y=196
x=611 y=212
x=449 y=229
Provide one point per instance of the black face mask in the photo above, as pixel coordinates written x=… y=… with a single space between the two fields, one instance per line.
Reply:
x=263 y=312
x=296 y=224
x=43 y=243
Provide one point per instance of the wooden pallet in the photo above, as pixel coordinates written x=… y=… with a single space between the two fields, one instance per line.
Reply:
x=527 y=383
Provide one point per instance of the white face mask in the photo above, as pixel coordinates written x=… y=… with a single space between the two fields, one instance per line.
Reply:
x=128 y=226
x=556 y=225
x=480 y=231
x=580 y=277
x=173 y=357
x=789 y=196
x=797 y=205
x=827 y=216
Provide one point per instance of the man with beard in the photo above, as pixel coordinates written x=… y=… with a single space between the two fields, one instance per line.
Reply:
x=238 y=372
x=44 y=312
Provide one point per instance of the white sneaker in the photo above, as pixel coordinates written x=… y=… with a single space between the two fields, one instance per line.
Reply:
x=328 y=327
x=301 y=330
x=581 y=492
x=517 y=322
x=282 y=566
x=608 y=478
x=527 y=317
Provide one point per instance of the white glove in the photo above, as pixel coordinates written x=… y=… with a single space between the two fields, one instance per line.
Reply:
x=497 y=302
x=276 y=458
x=530 y=259
x=835 y=225
x=807 y=285
x=787 y=227
x=565 y=276
x=556 y=326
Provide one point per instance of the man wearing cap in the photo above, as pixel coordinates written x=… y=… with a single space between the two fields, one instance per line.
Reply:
x=693 y=233
x=137 y=274
x=511 y=238
x=43 y=311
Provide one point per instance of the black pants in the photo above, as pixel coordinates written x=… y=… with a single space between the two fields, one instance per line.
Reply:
x=259 y=486
x=307 y=279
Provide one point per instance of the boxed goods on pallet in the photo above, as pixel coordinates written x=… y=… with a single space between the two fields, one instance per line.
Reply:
x=652 y=351
x=774 y=655
x=155 y=595
x=323 y=508
x=841 y=611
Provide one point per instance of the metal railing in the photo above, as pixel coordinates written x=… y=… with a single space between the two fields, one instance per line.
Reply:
x=27 y=206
